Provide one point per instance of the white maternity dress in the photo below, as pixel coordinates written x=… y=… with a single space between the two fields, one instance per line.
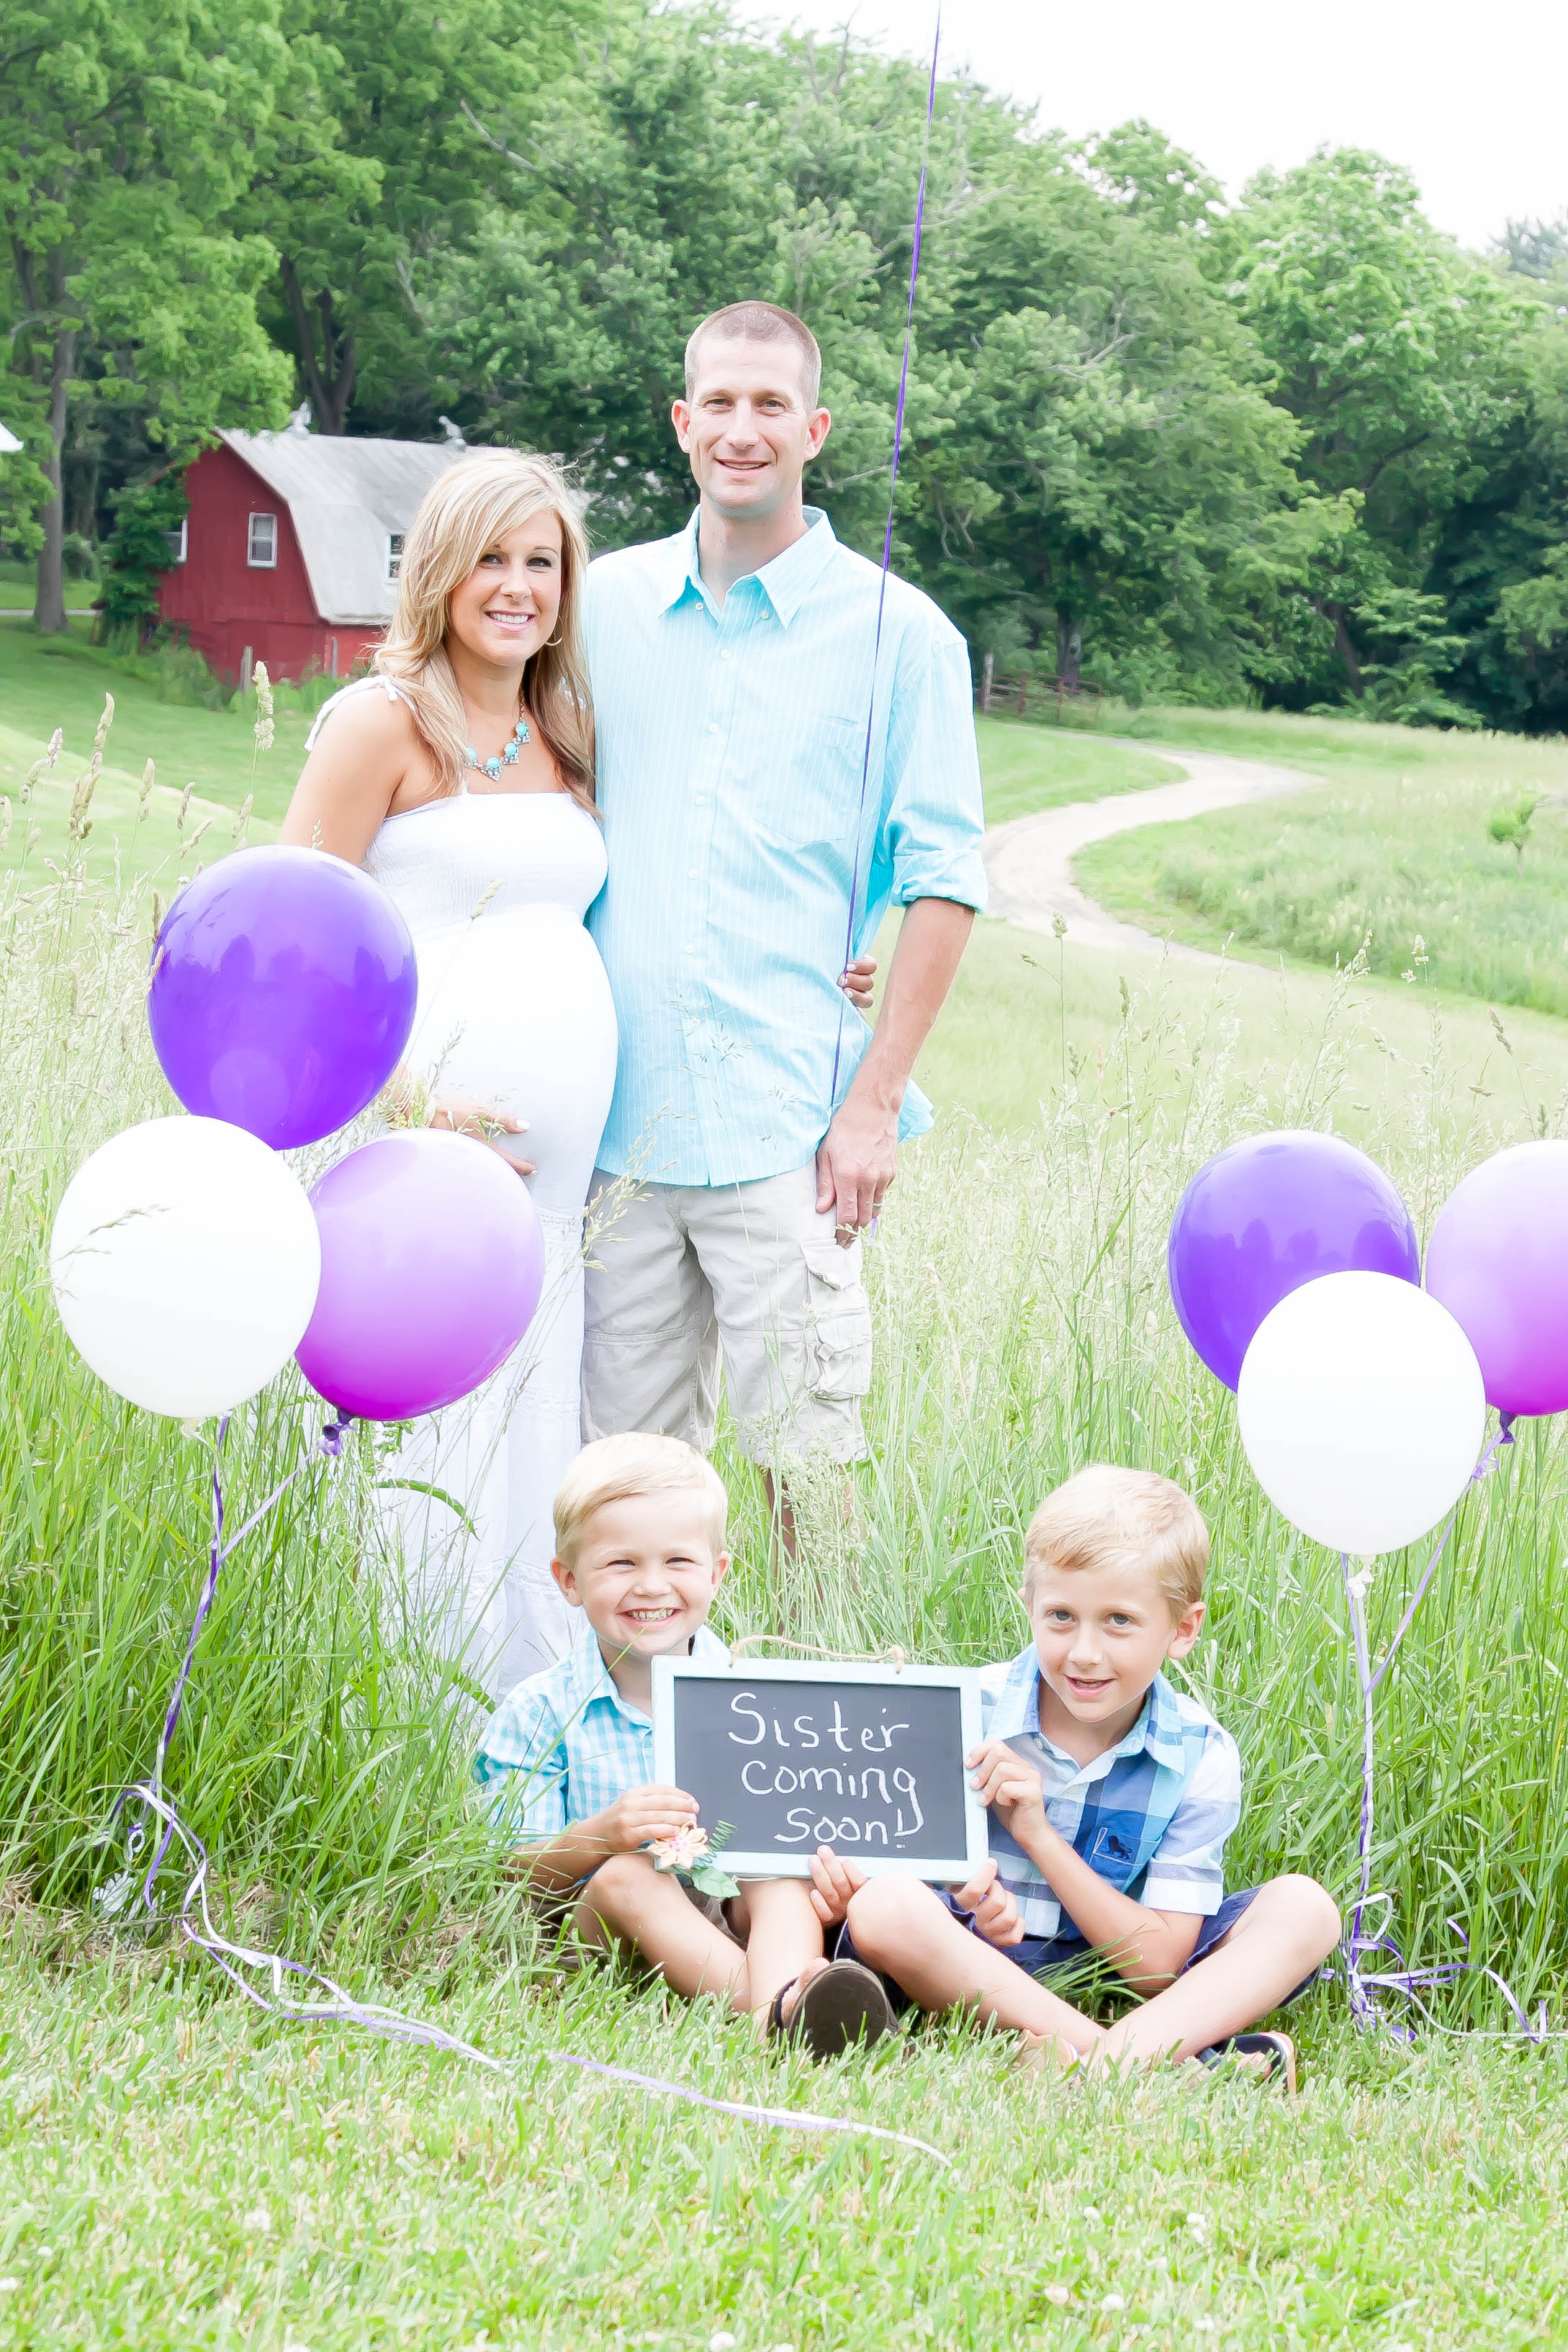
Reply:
x=514 y=1011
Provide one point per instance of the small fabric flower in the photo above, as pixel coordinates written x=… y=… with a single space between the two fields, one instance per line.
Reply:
x=682 y=1852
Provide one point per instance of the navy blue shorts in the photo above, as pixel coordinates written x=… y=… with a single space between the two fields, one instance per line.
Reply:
x=1037 y=1954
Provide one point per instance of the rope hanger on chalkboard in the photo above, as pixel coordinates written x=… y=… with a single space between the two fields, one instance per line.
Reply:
x=896 y=1658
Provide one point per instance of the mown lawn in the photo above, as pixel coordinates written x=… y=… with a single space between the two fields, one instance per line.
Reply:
x=1392 y=843
x=1028 y=767
x=181 y=2174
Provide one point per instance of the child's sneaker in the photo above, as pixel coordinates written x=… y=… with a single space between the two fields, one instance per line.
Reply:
x=1270 y=2056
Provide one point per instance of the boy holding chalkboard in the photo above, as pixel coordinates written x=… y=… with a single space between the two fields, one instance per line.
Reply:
x=640 y=1549
x=1111 y=1796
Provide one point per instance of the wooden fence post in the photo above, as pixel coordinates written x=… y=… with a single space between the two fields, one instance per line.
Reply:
x=987 y=673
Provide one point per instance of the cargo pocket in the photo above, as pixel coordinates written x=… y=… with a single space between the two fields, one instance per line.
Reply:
x=838 y=1320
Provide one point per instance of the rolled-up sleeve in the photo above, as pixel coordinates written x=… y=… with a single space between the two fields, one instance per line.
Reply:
x=523 y=1762
x=936 y=817
x=1188 y=1871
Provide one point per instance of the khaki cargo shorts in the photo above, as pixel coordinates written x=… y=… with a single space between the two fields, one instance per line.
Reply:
x=692 y=1274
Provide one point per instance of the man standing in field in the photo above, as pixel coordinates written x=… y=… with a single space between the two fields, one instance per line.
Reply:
x=752 y=785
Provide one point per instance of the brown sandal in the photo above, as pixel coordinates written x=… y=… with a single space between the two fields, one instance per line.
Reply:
x=841 y=2005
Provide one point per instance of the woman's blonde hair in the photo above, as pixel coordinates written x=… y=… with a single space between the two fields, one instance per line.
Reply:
x=471 y=506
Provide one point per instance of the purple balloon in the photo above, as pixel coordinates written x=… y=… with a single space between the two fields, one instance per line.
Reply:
x=282 y=993
x=1498 y=1260
x=431 y=1263
x=1267 y=1215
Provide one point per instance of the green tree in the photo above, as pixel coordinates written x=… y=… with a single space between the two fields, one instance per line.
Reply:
x=1397 y=355
x=126 y=128
x=1112 y=483
x=146 y=516
x=389 y=136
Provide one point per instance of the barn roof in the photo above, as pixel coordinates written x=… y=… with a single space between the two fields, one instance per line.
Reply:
x=343 y=496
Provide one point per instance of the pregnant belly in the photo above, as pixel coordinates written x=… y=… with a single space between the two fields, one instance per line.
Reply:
x=515 y=1011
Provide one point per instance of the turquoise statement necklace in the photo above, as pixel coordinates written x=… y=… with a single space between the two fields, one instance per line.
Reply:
x=492 y=768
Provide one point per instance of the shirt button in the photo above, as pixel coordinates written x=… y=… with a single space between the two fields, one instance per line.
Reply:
x=713 y=727
x=691 y=873
x=689 y=949
x=702 y=800
x=725 y=656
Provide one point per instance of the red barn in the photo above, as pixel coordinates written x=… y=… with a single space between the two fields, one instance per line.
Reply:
x=291 y=547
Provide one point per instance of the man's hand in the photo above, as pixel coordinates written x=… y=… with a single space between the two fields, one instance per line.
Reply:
x=856 y=1162
x=833 y=1882
x=859 y=982
x=1002 y=1779
x=643 y=1815
x=995 y=1912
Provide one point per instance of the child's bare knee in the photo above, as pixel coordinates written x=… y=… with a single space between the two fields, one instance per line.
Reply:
x=617 y=1882
x=885 y=1912
x=1309 y=1907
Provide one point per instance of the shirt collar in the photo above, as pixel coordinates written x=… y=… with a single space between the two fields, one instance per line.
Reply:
x=590 y=1679
x=786 y=581
x=1158 y=1728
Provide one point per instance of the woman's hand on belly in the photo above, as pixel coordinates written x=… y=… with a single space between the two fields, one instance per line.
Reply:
x=461 y=1115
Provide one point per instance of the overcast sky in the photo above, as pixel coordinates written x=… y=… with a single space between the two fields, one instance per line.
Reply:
x=1473 y=98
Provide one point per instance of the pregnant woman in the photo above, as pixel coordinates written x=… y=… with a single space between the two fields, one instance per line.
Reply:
x=460 y=776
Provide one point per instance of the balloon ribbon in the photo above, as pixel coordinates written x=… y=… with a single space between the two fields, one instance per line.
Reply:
x=887 y=555
x=1407 y=1984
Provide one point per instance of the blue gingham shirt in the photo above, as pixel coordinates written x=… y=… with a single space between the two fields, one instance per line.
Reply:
x=731 y=745
x=1151 y=1816
x=566 y=1744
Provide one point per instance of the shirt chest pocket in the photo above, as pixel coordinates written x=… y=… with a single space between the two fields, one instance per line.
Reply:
x=807 y=782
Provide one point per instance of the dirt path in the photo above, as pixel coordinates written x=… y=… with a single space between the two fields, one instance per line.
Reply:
x=1029 y=859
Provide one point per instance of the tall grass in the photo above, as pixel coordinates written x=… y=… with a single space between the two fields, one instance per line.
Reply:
x=1023 y=1329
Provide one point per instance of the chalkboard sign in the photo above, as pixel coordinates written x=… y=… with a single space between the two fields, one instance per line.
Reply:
x=867 y=1760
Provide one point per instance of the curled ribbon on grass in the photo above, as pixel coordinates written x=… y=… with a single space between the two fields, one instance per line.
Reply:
x=1365 y=1985
x=243 y=1965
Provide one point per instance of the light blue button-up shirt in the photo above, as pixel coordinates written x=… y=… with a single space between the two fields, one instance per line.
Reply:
x=731 y=740
x=565 y=1744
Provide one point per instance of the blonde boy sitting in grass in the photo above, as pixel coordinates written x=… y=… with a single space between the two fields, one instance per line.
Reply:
x=1111 y=1797
x=640 y=1548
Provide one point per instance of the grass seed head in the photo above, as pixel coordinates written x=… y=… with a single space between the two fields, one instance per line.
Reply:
x=263 y=729
x=44 y=767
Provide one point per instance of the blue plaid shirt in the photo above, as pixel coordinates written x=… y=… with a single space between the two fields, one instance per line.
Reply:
x=1151 y=1816
x=566 y=1744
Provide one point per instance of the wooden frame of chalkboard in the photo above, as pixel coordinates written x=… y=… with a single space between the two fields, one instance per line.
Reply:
x=885 y=1785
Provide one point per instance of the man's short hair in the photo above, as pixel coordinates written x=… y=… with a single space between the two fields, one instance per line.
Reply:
x=1105 y=1518
x=617 y=1469
x=759 y=322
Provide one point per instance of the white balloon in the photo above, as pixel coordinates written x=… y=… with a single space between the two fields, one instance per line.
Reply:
x=1362 y=1410
x=186 y=1261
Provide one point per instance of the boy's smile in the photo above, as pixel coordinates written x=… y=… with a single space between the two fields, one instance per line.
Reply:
x=1102 y=1635
x=645 y=1577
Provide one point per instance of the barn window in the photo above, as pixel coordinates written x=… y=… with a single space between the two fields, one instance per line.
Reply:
x=179 y=541
x=393 y=554
x=261 y=547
